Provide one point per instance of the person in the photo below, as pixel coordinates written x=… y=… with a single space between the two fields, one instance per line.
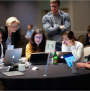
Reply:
x=87 y=42
x=1 y=50
x=11 y=33
x=83 y=65
x=36 y=43
x=29 y=32
x=55 y=23
x=69 y=44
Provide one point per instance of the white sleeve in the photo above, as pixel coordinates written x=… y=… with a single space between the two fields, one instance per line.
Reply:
x=0 y=61
x=65 y=48
x=77 y=52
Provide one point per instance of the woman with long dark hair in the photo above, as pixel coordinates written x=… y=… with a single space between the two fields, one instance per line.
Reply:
x=1 y=50
x=70 y=44
x=37 y=43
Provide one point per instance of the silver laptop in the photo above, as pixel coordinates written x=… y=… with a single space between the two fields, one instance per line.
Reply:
x=12 y=56
x=39 y=58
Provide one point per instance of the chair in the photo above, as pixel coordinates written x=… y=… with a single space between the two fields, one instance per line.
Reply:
x=87 y=50
x=82 y=39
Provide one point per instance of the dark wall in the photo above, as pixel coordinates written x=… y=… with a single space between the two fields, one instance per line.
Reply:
x=25 y=11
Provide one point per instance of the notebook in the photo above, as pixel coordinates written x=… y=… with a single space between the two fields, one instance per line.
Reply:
x=69 y=58
x=39 y=58
x=12 y=56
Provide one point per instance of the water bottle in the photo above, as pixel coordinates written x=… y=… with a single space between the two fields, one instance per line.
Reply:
x=74 y=67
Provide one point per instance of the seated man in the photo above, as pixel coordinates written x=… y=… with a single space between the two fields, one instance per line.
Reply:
x=10 y=33
x=29 y=32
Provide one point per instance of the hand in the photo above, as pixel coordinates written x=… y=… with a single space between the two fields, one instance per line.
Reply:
x=63 y=42
x=62 y=26
x=26 y=37
x=51 y=27
x=3 y=59
x=88 y=62
x=81 y=65
x=70 y=43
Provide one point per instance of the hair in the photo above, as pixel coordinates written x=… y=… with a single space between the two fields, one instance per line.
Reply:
x=30 y=25
x=88 y=29
x=55 y=1
x=10 y=20
x=43 y=42
x=0 y=46
x=70 y=34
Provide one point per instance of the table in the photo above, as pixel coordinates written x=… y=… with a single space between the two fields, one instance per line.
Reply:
x=58 y=77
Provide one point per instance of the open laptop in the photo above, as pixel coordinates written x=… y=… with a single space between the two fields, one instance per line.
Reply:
x=69 y=58
x=12 y=56
x=39 y=58
x=60 y=56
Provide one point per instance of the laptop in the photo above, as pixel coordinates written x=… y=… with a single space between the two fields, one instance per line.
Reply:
x=12 y=56
x=39 y=58
x=69 y=58
x=60 y=56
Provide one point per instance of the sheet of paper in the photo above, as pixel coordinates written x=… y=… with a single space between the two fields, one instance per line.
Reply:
x=13 y=73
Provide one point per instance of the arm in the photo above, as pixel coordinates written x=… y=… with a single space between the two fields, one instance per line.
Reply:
x=4 y=37
x=27 y=34
x=77 y=52
x=67 y=23
x=83 y=65
x=65 y=48
x=28 y=51
x=1 y=61
x=47 y=25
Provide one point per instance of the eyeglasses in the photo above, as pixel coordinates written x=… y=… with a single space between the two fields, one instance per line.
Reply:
x=54 y=6
x=66 y=39
x=14 y=26
x=38 y=37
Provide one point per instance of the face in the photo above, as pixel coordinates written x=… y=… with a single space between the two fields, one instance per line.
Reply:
x=13 y=27
x=65 y=39
x=0 y=38
x=29 y=27
x=38 y=39
x=54 y=8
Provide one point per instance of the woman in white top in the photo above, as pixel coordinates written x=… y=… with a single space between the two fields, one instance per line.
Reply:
x=1 y=50
x=70 y=44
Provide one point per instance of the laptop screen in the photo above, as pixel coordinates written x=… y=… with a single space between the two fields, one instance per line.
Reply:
x=12 y=56
x=69 y=58
x=39 y=58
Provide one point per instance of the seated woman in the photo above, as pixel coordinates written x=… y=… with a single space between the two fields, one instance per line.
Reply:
x=70 y=44
x=87 y=42
x=1 y=50
x=10 y=33
x=37 y=43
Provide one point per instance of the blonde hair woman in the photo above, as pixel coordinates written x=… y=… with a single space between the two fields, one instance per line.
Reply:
x=10 y=33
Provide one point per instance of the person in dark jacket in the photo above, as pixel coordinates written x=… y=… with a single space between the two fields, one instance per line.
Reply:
x=10 y=33
x=87 y=42
x=55 y=23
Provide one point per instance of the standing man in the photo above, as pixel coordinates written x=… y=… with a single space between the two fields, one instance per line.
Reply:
x=29 y=32
x=11 y=33
x=55 y=23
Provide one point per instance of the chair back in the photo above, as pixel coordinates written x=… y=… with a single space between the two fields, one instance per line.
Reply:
x=82 y=39
x=87 y=50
